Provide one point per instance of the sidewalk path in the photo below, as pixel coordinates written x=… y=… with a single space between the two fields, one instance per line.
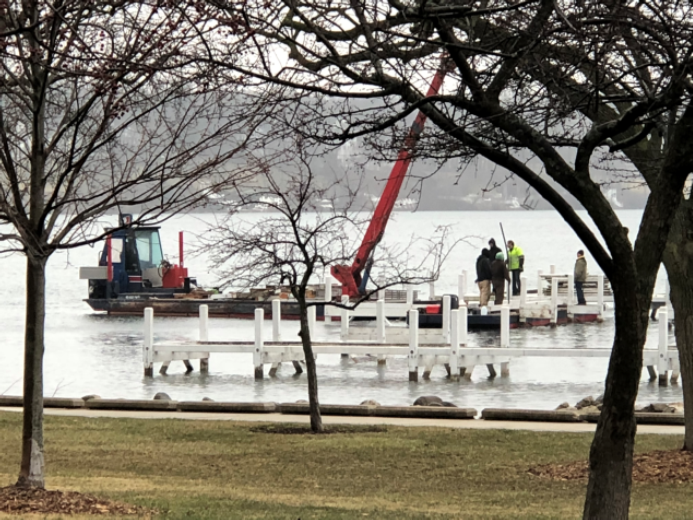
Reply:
x=330 y=419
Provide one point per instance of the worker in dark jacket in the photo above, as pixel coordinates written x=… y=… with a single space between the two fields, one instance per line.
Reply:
x=499 y=275
x=493 y=249
x=483 y=277
x=580 y=276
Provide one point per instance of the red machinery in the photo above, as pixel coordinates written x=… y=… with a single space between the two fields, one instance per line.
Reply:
x=350 y=276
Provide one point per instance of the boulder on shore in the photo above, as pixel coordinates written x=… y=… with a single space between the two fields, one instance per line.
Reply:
x=432 y=400
x=162 y=396
x=370 y=402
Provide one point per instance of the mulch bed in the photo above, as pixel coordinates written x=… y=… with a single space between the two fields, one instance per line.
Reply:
x=19 y=501
x=653 y=467
x=292 y=429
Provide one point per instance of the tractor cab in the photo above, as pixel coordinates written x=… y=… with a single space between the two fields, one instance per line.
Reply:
x=132 y=261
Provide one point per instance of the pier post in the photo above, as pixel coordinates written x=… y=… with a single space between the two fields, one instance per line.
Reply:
x=328 y=296
x=311 y=321
x=505 y=337
x=410 y=296
x=600 y=295
x=453 y=361
x=461 y=286
x=540 y=284
x=431 y=290
x=552 y=269
x=204 y=335
x=464 y=279
x=571 y=289
x=413 y=345
x=380 y=327
x=462 y=332
x=259 y=343
x=446 y=318
x=523 y=291
x=663 y=347
x=148 y=345
x=554 y=300
x=276 y=320
x=344 y=324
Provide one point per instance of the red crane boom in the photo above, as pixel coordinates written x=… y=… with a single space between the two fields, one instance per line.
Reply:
x=350 y=276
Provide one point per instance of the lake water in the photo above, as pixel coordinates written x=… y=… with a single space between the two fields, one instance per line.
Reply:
x=89 y=353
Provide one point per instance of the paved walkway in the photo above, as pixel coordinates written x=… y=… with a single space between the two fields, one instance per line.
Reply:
x=330 y=419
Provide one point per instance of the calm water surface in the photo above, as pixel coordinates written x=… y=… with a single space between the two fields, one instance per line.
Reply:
x=92 y=353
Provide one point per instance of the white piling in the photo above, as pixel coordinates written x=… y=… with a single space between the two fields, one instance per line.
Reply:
x=345 y=319
x=600 y=295
x=523 y=291
x=554 y=300
x=462 y=317
x=463 y=328
x=259 y=343
x=431 y=290
x=204 y=322
x=413 y=345
x=552 y=269
x=328 y=295
x=663 y=347
x=204 y=334
x=148 y=346
x=505 y=337
x=454 y=343
x=540 y=283
x=446 y=318
x=571 y=289
x=461 y=286
x=410 y=295
x=465 y=278
x=311 y=321
x=380 y=320
x=276 y=320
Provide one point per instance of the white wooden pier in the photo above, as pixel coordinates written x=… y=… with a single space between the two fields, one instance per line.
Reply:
x=424 y=349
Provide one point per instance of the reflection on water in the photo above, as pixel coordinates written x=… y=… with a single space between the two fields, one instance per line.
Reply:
x=88 y=353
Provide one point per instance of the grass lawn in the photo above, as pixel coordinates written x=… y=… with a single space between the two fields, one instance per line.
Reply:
x=221 y=469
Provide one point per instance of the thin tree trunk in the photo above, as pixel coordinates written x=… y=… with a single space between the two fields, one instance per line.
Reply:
x=611 y=453
x=678 y=260
x=311 y=370
x=31 y=473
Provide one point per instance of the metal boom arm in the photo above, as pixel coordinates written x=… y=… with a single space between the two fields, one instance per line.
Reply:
x=350 y=276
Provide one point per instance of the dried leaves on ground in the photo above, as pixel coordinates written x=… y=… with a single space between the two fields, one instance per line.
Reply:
x=300 y=429
x=652 y=467
x=20 y=501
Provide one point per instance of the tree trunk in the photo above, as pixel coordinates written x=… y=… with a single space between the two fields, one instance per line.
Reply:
x=611 y=453
x=31 y=473
x=311 y=370
x=678 y=260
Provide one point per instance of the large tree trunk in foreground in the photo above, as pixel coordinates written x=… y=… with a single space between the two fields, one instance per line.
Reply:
x=31 y=472
x=611 y=453
x=678 y=260
x=311 y=370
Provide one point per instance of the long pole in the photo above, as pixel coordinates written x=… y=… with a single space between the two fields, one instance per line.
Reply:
x=507 y=257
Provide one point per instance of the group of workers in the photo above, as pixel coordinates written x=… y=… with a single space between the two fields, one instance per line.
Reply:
x=493 y=271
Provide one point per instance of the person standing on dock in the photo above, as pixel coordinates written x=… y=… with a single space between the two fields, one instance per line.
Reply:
x=499 y=275
x=493 y=249
x=516 y=264
x=483 y=277
x=580 y=276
